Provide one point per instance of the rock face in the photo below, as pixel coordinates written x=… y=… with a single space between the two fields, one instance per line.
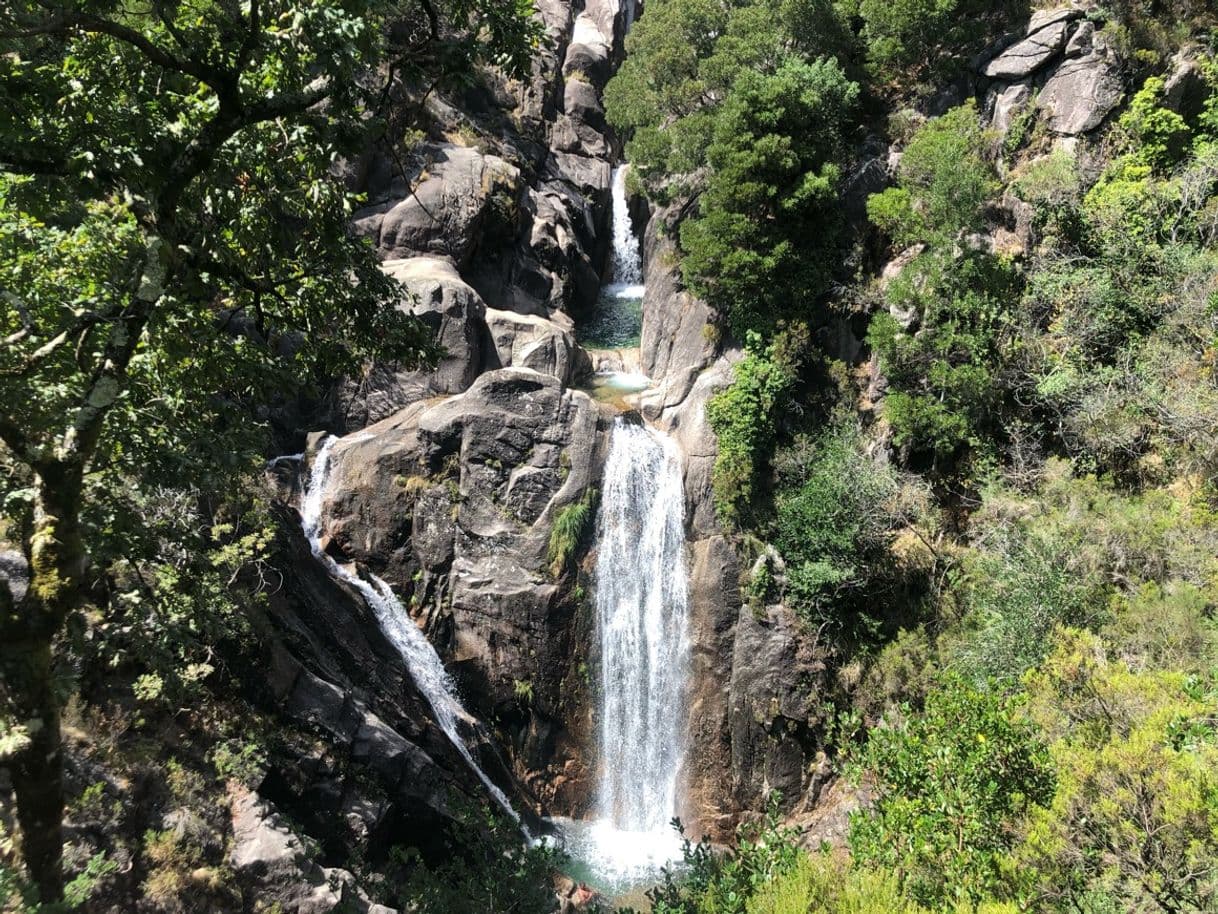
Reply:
x=1066 y=64
x=453 y=503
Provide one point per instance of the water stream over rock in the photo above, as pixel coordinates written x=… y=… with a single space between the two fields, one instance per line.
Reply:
x=642 y=631
x=421 y=659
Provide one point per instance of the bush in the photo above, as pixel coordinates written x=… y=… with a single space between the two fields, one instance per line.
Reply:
x=950 y=782
x=943 y=181
x=836 y=510
x=744 y=418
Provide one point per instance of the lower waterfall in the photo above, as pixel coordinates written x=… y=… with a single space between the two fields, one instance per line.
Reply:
x=642 y=603
x=421 y=659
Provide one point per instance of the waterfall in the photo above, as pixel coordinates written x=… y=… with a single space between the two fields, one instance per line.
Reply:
x=421 y=659
x=627 y=261
x=642 y=626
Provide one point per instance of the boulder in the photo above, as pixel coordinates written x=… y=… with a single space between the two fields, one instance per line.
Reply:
x=1007 y=102
x=528 y=341
x=1082 y=41
x=1185 y=89
x=1081 y=93
x=455 y=313
x=1044 y=18
x=1026 y=57
x=461 y=194
x=270 y=861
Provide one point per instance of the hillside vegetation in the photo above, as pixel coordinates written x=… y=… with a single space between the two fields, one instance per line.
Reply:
x=1001 y=528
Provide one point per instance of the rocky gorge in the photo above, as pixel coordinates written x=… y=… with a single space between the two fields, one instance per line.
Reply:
x=454 y=478
x=434 y=622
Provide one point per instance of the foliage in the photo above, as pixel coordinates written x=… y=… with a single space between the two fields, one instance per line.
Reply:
x=487 y=867
x=177 y=255
x=836 y=511
x=1135 y=815
x=943 y=180
x=946 y=377
x=772 y=188
x=572 y=524
x=744 y=418
x=950 y=782
x=711 y=883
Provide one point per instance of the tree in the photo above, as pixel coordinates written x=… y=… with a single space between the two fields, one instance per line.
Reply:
x=761 y=245
x=175 y=245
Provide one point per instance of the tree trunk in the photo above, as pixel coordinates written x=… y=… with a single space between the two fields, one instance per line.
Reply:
x=38 y=771
x=27 y=635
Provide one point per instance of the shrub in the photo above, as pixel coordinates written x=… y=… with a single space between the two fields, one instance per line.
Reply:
x=835 y=512
x=571 y=526
x=744 y=418
x=944 y=180
x=950 y=783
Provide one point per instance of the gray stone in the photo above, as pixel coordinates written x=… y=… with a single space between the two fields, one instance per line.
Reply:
x=270 y=860
x=462 y=190
x=1044 y=18
x=1082 y=41
x=1081 y=93
x=1007 y=102
x=1026 y=57
x=15 y=572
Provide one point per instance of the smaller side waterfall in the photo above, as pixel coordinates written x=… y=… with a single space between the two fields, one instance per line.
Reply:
x=617 y=320
x=421 y=659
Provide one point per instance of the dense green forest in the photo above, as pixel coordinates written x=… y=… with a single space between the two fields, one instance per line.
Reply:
x=997 y=521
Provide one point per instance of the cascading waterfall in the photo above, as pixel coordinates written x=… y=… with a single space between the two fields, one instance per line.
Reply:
x=617 y=320
x=642 y=627
x=627 y=261
x=421 y=659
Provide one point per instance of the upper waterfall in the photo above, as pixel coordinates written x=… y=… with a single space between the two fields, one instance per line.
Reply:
x=421 y=659
x=642 y=629
x=617 y=320
x=627 y=260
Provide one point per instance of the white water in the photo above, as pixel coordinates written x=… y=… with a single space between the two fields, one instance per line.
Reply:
x=642 y=628
x=627 y=279
x=421 y=659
